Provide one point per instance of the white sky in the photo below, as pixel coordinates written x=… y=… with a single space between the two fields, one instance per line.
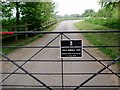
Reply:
x=76 y=6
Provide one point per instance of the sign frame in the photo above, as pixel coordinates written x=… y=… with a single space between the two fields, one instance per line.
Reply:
x=69 y=48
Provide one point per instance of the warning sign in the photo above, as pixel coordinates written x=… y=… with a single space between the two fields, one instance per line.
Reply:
x=71 y=48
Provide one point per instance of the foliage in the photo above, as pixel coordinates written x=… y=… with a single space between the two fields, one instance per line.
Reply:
x=107 y=16
x=104 y=13
x=70 y=17
x=7 y=24
x=88 y=12
x=35 y=13
x=100 y=39
x=107 y=22
x=108 y=4
x=7 y=10
x=82 y=25
x=17 y=14
x=22 y=41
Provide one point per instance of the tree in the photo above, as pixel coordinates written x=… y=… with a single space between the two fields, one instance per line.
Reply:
x=7 y=10
x=105 y=3
x=29 y=12
x=88 y=12
x=17 y=13
x=104 y=13
x=111 y=7
x=37 y=11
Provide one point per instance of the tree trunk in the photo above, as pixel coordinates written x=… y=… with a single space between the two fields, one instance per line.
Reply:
x=17 y=15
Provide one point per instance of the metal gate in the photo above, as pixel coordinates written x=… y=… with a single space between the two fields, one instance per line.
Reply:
x=60 y=35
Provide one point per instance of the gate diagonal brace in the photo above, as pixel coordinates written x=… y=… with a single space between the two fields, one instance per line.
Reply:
x=66 y=37
x=26 y=71
x=96 y=59
x=101 y=63
x=97 y=73
x=30 y=58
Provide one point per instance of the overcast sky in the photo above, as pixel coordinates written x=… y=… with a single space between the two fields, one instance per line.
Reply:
x=76 y=6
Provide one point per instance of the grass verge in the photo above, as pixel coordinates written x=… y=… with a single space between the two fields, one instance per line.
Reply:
x=22 y=42
x=106 y=39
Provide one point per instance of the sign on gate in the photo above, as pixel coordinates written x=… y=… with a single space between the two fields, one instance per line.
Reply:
x=71 y=48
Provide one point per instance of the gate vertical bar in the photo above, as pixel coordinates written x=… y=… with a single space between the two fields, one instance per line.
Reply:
x=62 y=67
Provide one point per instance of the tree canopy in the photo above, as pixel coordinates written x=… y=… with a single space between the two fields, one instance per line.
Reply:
x=27 y=12
x=88 y=12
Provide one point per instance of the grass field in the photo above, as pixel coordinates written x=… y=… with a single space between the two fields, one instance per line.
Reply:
x=105 y=39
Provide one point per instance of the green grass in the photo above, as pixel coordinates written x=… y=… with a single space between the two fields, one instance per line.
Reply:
x=22 y=42
x=87 y=26
x=100 y=38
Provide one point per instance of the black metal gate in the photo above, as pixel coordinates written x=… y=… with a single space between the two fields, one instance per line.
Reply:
x=62 y=86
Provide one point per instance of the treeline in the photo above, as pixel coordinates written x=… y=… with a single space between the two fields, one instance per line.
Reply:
x=21 y=13
x=107 y=16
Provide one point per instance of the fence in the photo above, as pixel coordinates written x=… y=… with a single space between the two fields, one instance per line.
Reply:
x=25 y=27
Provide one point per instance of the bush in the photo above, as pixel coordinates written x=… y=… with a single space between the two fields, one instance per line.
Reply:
x=107 y=22
x=6 y=24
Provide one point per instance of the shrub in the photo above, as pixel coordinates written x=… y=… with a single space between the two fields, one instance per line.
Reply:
x=108 y=22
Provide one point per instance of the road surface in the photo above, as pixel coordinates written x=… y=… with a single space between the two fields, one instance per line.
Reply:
x=55 y=67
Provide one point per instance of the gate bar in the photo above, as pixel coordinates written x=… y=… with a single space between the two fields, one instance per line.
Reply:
x=30 y=58
x=102 y=63
x=26 y=71
x=90 y=86
x=62 y=61
x=98 y=61
x=81 y=85
x=56 y=32
x=62 y=67
x=60 y=73
x=111 y=46
x=85 y=60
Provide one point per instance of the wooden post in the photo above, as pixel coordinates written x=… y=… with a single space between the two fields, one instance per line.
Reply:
x=16 y=37
x=26 y=29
